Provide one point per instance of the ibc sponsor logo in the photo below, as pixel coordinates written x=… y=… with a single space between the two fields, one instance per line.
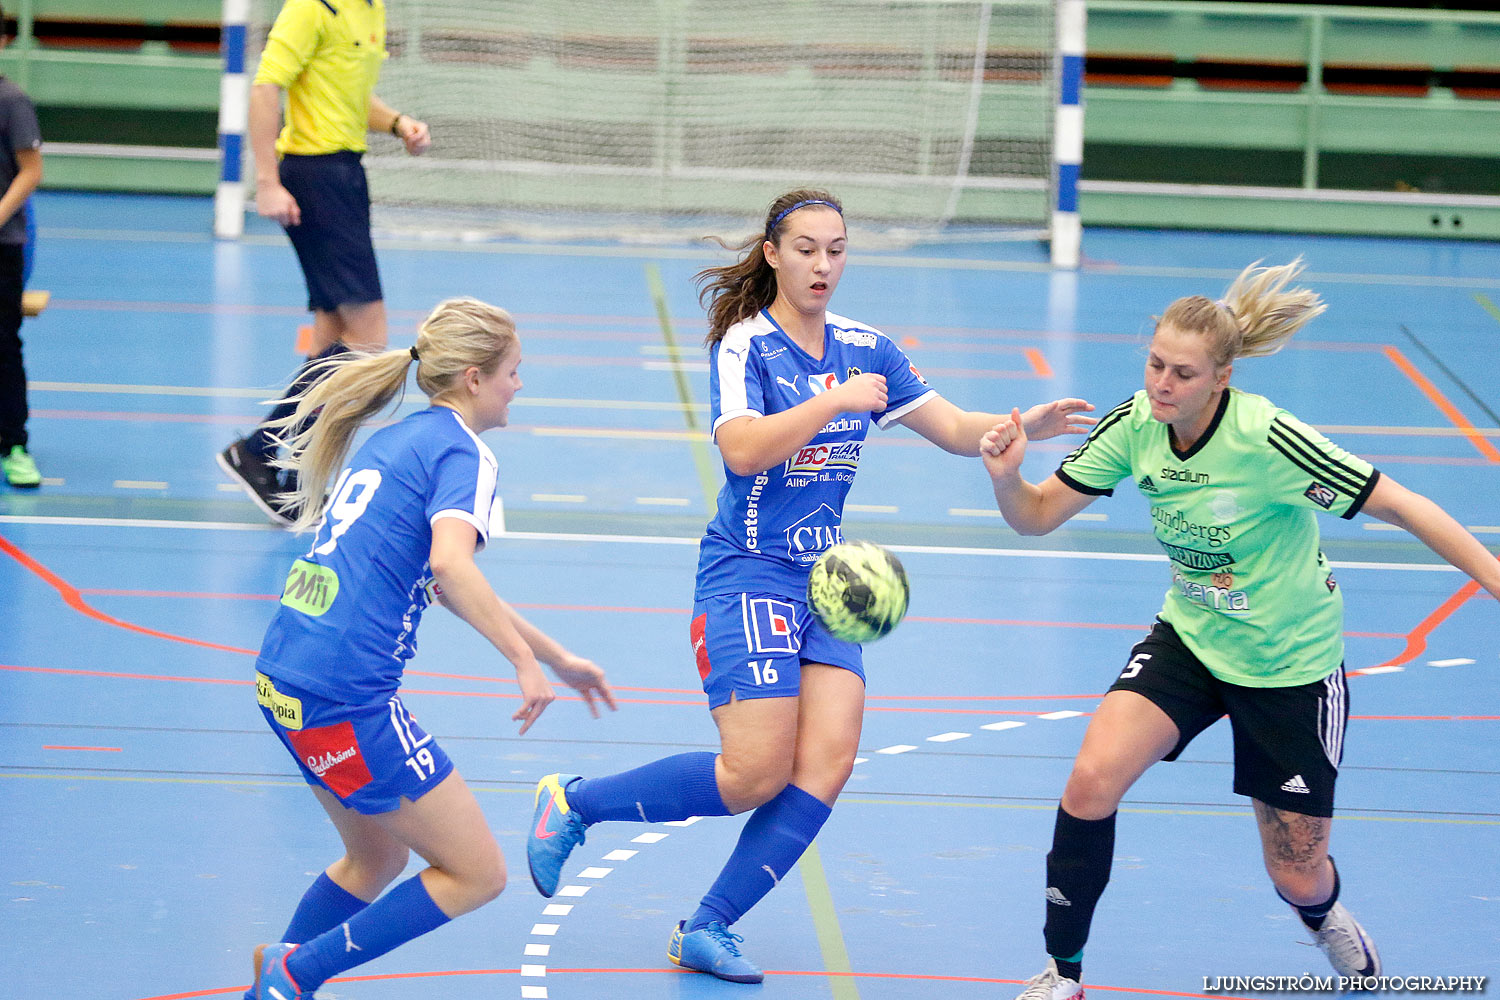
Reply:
x=817 y=457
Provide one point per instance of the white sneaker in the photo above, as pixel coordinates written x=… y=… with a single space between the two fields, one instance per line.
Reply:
x=1348 y=947
x=1049 y=985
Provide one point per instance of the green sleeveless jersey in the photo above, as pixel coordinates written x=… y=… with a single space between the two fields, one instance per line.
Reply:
x=1252 y=594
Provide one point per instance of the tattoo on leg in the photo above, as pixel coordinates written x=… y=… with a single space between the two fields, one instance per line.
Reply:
x=1292 y=840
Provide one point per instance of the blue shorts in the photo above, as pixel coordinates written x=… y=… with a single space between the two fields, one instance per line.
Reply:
x=369 y=756
x=333 y=240
x=754 y=645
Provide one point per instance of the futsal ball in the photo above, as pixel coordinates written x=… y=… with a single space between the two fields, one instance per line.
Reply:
x=858 y=590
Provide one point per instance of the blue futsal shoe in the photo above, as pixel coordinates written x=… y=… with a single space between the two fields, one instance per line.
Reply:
x=272 y=980
x=712 y=949
x=555 y=831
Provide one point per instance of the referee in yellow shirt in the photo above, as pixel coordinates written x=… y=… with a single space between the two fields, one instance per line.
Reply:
x=326 y=56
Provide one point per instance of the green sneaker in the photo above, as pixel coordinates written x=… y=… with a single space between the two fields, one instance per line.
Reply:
x=20 y=469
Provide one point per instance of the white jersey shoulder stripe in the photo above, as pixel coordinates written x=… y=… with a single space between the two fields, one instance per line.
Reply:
x=485 y=481
x=732 y=353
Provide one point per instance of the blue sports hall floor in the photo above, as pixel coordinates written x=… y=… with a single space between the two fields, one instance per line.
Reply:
x=154 y=830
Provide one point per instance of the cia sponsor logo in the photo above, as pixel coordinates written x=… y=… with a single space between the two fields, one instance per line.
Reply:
x=808 y=537
x=818 y=457
x=1321 y=495
x=854 y=338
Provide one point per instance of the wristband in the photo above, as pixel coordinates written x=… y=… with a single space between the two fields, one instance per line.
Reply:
x=396 y=125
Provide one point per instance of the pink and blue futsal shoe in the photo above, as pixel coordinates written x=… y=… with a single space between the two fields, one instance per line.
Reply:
x=555 y=831
x=272 y=980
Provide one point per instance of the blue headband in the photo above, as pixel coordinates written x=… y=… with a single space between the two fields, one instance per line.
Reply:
x=771 y=226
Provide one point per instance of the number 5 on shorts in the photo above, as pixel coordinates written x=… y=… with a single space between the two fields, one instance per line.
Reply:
x=1137 y=662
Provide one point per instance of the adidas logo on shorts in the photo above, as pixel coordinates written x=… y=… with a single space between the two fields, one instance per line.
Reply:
x=1056 y=898
x=1296 y=784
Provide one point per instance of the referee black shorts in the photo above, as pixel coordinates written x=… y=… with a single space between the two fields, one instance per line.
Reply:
x=1288 y=741
x=333 y=241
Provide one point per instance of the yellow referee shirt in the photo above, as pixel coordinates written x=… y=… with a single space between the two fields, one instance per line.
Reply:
x=326 y=55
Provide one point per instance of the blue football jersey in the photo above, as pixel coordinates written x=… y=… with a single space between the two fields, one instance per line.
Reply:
x=772 y=526
x=349 y=612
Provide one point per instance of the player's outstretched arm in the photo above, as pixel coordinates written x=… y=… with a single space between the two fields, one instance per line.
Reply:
x=466 y=593
x=582 y=675
x=1395 y=504
x=1029 y=508
x=958 y=431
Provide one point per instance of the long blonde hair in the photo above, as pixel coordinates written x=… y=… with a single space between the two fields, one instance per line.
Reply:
x=1256 y=317
x=740 y=290
x=457 y=335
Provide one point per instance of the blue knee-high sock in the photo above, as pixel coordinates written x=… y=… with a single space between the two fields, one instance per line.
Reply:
x=664 y=790
x=775 y=836
x=260 y=440
x=325 y=904
x=405 y=912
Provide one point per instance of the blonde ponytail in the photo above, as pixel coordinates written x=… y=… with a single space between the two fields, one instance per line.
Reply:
x=457 y=335
x=1256 y=317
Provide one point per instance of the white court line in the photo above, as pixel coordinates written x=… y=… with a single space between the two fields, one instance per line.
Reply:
x=695 y=540
x=559 y=498
x=534 y=970
x=538 y=950
x=898 y=748
x=139 y=484
x=620 y=855
x=544 y=930
x=948 y=737
x=1050 y=716
x=649 y=838
x=1457 y=662
x=594 y=872
x=557 y=909
x=533 y=993
x=577 y=890
x=996 y=727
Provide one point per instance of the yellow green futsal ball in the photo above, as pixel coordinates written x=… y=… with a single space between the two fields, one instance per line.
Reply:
x=858 y=590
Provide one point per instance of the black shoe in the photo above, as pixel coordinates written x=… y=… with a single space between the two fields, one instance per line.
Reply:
x=260 y=480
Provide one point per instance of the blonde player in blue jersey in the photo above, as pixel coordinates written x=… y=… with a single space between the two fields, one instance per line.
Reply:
x=400 y=528
x=1252 y=626
x=794 y=390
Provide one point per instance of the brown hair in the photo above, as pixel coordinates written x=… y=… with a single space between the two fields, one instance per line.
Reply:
x=740 y=290
x=1256 y=317
x=457 y=335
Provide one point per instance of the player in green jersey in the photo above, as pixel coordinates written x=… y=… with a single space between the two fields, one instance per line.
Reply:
x=1252 y=625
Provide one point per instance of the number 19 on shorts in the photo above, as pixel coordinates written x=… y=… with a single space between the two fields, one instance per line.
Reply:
x=422 y=763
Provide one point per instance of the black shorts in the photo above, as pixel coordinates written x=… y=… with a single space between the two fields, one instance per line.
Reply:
x=333 y=240
x=1288 y=741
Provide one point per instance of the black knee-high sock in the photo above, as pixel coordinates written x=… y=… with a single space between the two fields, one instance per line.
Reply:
x=260 y=441
x=1077 y=872
x=1314 y=915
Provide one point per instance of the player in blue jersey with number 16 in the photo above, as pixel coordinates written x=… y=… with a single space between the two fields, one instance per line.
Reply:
x=401 y=527
x=794 y=390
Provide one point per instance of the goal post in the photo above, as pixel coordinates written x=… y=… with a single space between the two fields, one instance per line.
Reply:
x=661 y=119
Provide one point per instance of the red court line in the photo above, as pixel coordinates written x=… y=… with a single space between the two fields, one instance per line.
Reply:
x=46 y=746
x=1441 y=402
x=74 y=600
x=1416 y=639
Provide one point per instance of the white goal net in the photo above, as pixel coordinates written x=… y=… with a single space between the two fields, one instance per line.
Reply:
x=652 y=119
